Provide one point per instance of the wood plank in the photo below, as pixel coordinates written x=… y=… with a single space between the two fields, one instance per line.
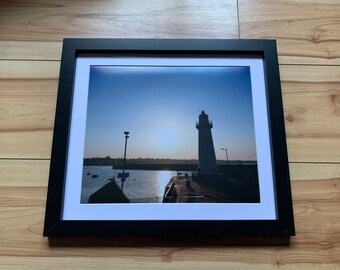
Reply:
x=27 y=111
x=307 y=31
x=24 y=173
x=43 y=20
x=316 y=205
x=27 y=104
x=317 y=241
x=164 y=262
x=311 y=94
x=313 y=74
x=314 y=171
x=319 y=191
x=30 y=50
x=26 y=144
x=23 y=196
x=313 y=149
x=29 y=69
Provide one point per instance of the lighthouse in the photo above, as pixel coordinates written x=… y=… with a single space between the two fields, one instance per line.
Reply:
x=206 y=151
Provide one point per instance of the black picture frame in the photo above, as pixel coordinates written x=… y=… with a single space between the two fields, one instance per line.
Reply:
x=55 y=225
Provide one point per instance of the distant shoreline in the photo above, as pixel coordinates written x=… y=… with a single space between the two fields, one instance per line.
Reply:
x=157 y=163
x=238 y=169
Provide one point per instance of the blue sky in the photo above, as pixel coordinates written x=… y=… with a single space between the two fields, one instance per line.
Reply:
x=160 y=105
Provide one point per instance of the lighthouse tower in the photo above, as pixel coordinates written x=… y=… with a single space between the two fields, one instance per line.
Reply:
x=206 y=151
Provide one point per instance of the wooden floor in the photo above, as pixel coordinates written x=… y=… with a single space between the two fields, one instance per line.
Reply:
x=308 y=35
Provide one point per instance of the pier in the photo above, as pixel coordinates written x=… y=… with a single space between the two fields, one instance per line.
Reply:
x=183 y=189
x=211 y=189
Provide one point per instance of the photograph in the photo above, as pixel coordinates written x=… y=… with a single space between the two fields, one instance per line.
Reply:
x=169 y=134
x=169 y=137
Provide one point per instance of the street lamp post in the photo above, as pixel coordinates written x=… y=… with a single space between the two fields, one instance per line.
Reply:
x=126 y=137
x=124 y=177
x=226 y=153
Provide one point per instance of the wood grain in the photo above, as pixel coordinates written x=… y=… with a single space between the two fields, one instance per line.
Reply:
x=145 y=263
x=30 y=50
x=308 y=35
x=311 y=94
x=54 y=20
x=33 y=144
x=313 y=74
x=314 y=171
x=34 y=30
x=317 y=240
x=27 y=104
x=27 y=110
x=307 y=31
x=29 y=69
x=24 y=173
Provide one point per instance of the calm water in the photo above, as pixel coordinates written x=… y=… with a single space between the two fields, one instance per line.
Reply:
x=145 y=186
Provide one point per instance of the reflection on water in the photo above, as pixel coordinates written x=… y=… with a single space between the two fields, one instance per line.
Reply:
x=141 y=186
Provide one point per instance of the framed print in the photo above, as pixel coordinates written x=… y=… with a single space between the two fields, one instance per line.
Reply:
x=169 y=138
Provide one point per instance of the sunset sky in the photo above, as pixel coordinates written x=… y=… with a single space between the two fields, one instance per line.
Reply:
x=160 y=105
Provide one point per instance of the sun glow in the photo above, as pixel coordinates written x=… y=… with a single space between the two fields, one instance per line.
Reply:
x=166 y=140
